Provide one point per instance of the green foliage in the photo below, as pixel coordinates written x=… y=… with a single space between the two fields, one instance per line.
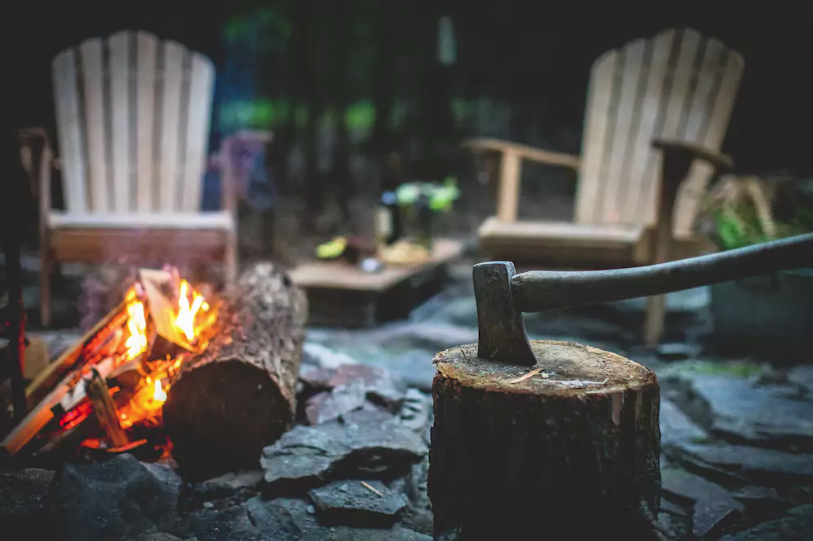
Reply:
x=739 y=226
x=440 y=196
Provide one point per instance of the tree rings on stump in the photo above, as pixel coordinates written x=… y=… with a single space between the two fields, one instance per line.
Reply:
x=570 y=452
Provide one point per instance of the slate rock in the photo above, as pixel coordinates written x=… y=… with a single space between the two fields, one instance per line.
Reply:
x=755 y=413
x=690 y=488
x=238 y=480
x=160 y=536
x=323 y=357
x=760 y=501
x=672 y=508
x=764 y=464
x=22 y=494
x=307 y=456
x=797 y=526
x=677 y=527
x=803 y=377
x=285 y=520
x=231 y=524
x=416 y=410
x=713 y=516
x=349 y=503
x=397 y=533
x=677 y=351
x=330 y=405
x=380 y=384
x=676 y=427
x=115 y=498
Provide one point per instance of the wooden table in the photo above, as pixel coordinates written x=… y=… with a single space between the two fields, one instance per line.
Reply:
x=341 y=294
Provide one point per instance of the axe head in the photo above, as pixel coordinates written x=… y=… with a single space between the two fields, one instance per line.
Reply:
x=502 y=331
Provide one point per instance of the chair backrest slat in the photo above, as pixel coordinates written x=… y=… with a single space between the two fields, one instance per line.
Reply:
x=133 y=116
x=146 y=179
x=90 y=54
x=676 y=85
x=69 y=130
x=122 y=166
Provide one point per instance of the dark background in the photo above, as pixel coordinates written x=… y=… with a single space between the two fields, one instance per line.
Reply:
x=532 y=56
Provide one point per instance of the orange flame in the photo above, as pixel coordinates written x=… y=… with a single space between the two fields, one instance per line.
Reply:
x=136 y=343
x=159 y=395
x=185 y=320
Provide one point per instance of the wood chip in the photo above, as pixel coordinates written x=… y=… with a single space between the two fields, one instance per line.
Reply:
x=530 y=374
x=371 y=489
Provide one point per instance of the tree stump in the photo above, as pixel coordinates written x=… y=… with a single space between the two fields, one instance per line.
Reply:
x=571 y=452
x=239 y=395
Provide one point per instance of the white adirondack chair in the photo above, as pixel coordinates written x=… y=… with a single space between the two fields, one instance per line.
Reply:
x=133 y=115
x=657 y=112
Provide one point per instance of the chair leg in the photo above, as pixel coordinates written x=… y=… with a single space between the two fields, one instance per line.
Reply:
x=231 y=260
x=654 y=318
x=45 y=287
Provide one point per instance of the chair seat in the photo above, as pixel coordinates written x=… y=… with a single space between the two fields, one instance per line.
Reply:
x=579 y=244
x=219 y=220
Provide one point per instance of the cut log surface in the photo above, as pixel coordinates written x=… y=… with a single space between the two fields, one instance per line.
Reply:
x=569 y=451
x=239 y=395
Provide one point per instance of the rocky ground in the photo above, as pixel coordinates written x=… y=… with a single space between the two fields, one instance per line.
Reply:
x=737 y=437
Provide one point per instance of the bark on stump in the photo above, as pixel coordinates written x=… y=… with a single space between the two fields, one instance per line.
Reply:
x=239 y=395
x=542 y=458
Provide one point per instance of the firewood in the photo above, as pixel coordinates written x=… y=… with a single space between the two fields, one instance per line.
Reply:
x=105 y=410
x=95 y=341
x=571 y=451
x=238 y=396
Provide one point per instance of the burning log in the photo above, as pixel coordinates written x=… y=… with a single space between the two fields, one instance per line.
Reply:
x=570 y=445
x=105 y=409
x=238 y=395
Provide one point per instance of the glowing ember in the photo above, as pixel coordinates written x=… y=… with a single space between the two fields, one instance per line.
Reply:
x=185 y=319
x=136 y=343
x=158 y=394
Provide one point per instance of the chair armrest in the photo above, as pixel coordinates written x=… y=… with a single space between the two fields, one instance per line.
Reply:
x=523 y=151
x=720 y=161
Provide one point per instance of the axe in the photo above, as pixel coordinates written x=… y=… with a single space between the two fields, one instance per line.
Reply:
x=503 y=295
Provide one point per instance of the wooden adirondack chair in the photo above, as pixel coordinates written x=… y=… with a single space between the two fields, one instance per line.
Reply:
x=656 y=115
x=133 y=115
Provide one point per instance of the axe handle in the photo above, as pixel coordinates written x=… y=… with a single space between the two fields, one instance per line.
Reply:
x=536 y=291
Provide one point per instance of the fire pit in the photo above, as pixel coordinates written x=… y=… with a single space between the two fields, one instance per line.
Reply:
x=174 y=368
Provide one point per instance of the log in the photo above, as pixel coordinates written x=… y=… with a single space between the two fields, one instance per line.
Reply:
x=568 y=449
x=105 y=410
x=238 y=396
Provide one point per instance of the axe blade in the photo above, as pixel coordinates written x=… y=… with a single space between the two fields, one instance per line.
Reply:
x=501 y=329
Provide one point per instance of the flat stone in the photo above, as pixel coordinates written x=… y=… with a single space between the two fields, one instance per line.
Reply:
x=285 y=520
x=712 y=516
x=22 y=493
x=416 y=410
x=115 y=498
x=802 y=376
x=677 y=527
x=755 y=462
x=307 y=456
x=672 y=508
x=231 y=524
x=675 y=351
x=350 y=503
x=755 y=413
x=160 y=536
x=687 y=486
x=323 y=357
x=380 y=384
x=797 y=526
x=397 y=533
x=238 y=480
x=676 y=427
x=330 y=405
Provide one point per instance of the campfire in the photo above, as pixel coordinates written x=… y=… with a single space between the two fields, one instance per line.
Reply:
x=112 y=385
